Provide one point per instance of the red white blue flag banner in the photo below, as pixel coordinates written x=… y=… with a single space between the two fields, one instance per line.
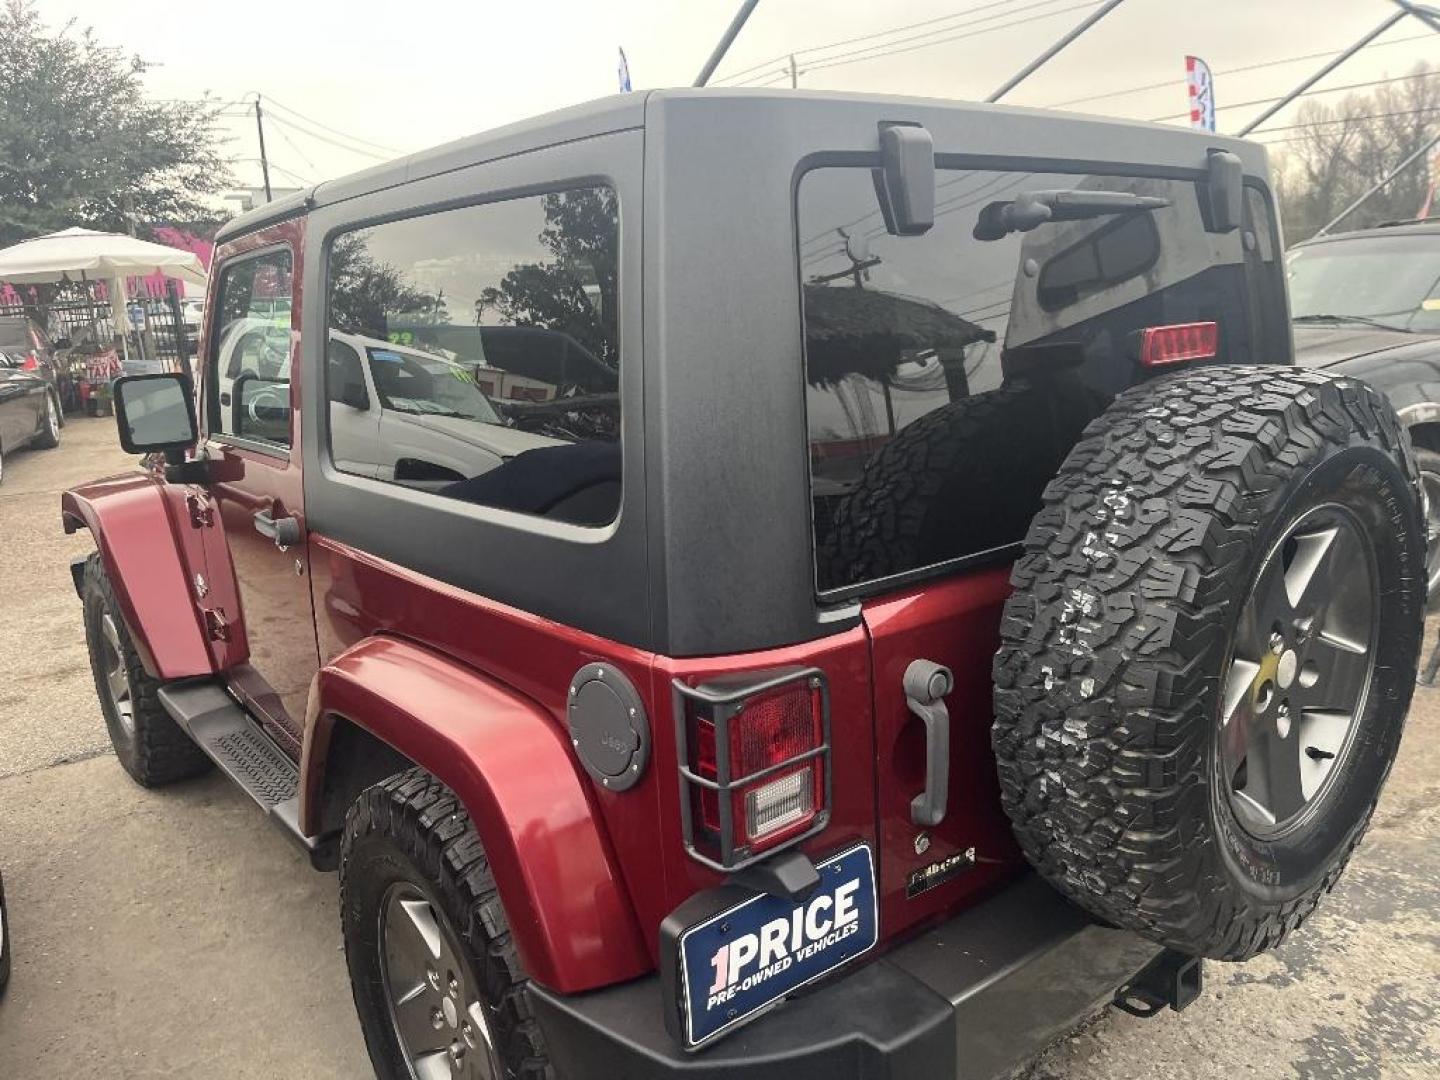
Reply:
x=1202 y=93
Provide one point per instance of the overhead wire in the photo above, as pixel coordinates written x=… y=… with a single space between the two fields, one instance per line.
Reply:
x=929 y=40
x=1310 y=93
x=810 y=50
x=1170 y=83
x=327 y=127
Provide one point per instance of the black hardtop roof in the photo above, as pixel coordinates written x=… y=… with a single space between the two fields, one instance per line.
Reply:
x=619 y=112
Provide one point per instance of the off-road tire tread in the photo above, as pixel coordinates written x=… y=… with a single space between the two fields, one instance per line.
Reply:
x=1101 y=686
x=161 y=752
x=425 y=819
x=934 y=465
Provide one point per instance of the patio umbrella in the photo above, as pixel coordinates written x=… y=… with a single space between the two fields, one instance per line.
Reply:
x=87 y=255
x=84 y=254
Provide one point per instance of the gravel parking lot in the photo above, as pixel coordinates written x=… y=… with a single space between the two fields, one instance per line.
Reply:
x=171 y=932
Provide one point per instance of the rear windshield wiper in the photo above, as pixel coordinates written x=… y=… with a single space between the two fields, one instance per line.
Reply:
x=1031 y=209
x=1363 y=319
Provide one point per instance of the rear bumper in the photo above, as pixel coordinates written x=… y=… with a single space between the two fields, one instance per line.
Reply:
x=970 y=998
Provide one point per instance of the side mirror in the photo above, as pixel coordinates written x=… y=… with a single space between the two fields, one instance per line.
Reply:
x=261 y=408
x=355 y=395
x=905 y=181
x=155 y=412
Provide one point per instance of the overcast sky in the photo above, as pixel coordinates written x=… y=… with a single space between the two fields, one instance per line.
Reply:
x=404 y=76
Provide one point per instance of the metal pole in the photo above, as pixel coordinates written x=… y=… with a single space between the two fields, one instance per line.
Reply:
x=264 y=161
x=725 y=42
x=1045 y=57
x=1326 y=70
x=1428 y=15
x=794 y=74
x=1388 y=177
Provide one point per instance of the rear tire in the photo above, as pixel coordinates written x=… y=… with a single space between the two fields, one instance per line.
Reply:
x=4 y=941
x=1153 y=773
x=153 y=749
x=409 y=849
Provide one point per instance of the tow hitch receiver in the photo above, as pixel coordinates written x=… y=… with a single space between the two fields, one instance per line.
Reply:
x=1172 y=979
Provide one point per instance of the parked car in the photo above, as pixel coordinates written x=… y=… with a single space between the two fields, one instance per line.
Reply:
x=950 y=611
x=28 y=343
x=29 y=409
x=415 y=417
x=1367 y=304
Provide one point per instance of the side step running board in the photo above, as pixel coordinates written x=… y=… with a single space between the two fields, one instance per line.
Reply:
x=242 y=750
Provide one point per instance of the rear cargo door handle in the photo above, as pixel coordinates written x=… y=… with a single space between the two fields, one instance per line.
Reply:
x=285 y=531
x=926 y=684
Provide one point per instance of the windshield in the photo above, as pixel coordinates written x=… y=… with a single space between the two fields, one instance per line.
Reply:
x=1390 y=280
x=407 y=382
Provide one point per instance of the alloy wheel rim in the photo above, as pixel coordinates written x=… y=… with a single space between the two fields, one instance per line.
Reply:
x=433 y=998
x=1297 y=681
x=117 y=676
x=52 y=423
x=1430 y=485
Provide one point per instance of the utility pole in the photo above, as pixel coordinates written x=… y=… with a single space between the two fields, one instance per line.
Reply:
x=794 y=74
x=264 y=161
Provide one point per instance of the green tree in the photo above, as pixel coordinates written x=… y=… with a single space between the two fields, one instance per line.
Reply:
x=580 y=232
x=365 y=295
x=80 y=144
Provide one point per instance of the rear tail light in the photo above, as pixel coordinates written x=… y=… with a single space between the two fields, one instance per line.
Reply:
x=31 y=362
x=754 y=763
x=1164 y=346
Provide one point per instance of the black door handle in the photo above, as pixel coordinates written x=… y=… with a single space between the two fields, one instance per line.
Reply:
x=225 y=397
x=285 y=531
x=926 y=684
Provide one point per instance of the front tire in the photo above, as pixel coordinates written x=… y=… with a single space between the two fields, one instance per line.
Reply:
x=1207 y=661
x=437 y=983
x=48 y=436
x=153 y=749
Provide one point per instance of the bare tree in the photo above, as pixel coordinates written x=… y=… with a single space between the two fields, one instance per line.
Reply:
x=1340 y=150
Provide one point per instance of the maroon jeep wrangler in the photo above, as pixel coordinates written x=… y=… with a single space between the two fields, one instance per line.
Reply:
x=594 y=539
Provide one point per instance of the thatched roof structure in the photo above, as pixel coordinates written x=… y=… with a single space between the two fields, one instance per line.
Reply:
x=855 y=331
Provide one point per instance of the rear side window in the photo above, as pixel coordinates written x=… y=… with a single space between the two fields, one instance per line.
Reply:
x=249 y=363
x=948 y=374
x=480 y=355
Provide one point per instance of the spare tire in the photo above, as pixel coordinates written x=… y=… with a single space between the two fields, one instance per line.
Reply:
x=1208 y=656
x=963 y=478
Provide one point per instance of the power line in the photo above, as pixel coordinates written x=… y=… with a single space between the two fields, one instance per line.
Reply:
x=290 y=143
x=875 y=55
x=332 y=130
x=928 y=40
x=863 y=37
x=1351 y=119
x=1310 y=93
x=326 y=139
x=1170 y=83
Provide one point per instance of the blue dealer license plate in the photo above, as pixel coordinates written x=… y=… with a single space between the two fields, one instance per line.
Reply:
x=745 y=959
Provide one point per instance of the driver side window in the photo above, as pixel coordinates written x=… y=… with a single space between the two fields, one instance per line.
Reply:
x=250 y=350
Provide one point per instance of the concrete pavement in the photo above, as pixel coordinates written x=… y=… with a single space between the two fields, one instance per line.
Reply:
x=175 y=932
